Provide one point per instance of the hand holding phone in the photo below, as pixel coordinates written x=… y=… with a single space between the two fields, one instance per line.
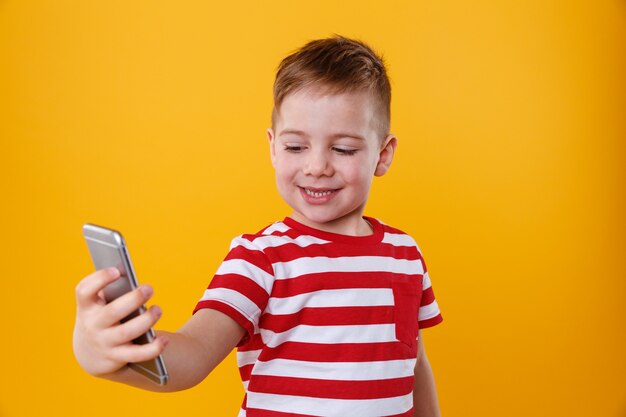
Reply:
x=113 y=326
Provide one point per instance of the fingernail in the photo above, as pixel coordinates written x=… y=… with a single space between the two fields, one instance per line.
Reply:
x=156 y=310
x=146 y=290
x=113 y=272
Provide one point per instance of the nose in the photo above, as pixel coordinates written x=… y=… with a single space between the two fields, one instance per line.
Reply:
x=318 y=164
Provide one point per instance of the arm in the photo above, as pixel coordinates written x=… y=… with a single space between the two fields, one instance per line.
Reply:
x=103 y=346
x=425 y=402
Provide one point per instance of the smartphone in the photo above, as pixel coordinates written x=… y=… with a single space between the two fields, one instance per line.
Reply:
x=107 y=249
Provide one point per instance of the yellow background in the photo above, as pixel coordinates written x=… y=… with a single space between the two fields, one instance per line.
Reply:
x=150 y=117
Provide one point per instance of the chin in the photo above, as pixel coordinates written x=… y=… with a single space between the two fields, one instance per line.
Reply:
x=318 y=219
x=324 y=218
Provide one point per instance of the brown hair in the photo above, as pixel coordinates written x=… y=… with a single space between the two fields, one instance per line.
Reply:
x=339 y=65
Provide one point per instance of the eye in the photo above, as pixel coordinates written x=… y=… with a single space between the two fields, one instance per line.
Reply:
x=345 y=151
x=294 y=148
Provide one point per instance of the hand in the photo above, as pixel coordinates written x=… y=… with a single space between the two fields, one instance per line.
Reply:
x=102 y=345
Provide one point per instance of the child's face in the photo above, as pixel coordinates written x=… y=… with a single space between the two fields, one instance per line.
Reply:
x=325 y=150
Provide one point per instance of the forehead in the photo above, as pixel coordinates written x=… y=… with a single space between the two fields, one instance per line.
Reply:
x=319 y=111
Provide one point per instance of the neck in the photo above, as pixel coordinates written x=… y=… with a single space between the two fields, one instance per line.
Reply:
x=356 y=226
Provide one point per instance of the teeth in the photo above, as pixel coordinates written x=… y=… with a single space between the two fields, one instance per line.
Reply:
x=317 y=193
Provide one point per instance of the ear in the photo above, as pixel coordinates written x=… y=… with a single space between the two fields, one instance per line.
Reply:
x=270 y=137
x=386 y=155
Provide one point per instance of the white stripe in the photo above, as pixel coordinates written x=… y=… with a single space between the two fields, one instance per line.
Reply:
x=248 y=357
x=267 y=241
x=276 y=227
x=248 y=270
x=354 y=297
x=301 y=266
x=398 y=240
x=329 y=407
x=426 y=282
x=237 y=301
x=369 y=333
x=337 y=371
x=428 y=311
x=235 y=242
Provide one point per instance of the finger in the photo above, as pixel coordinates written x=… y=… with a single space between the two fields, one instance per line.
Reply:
x=131 y=353
x=121 y=307
x=132 y=329
x=88 y=288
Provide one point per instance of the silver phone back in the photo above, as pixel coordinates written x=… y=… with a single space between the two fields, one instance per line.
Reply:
x=107 y=249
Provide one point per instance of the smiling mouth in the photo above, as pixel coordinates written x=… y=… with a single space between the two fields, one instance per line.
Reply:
x=319 y=193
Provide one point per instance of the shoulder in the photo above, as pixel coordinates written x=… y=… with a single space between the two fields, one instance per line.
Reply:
x=271 y=235
x=396 y=237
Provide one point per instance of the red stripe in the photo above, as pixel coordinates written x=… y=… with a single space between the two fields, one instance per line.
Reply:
x=423 y=324
x=245 y=372
x=336 y=280
x=333 y=389
x=242 y=285
x=328 y=316
x=291 y=251
x=428 y=296
x=254 y=257
x=256 y=412
x=339 y=352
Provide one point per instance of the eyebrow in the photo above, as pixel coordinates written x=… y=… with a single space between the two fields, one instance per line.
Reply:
x=337 y=135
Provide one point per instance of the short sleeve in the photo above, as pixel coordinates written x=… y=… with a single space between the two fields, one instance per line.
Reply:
x=241 y=286
x=429 y=313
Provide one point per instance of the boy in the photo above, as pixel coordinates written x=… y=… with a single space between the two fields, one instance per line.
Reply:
x=325 y=306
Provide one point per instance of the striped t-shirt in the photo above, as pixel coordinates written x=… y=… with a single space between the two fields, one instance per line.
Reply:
x=331 y=320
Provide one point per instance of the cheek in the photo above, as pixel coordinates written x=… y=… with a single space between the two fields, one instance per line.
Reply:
x=282 y=183
x=359 y=173
x=285 y=171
